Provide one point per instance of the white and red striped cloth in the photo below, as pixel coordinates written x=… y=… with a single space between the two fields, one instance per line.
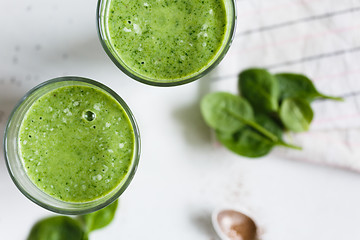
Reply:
x=319 y=38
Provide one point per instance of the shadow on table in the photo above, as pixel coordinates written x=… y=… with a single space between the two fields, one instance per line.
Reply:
x=9 y=97
x=196 y=132
x=202 y=222
x=6 y=106
x=84 y=54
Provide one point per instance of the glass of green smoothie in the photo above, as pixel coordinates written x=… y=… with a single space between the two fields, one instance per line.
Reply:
x=72 y=145
x=166 y=42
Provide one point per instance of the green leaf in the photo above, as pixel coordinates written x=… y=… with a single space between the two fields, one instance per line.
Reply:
x=299 y=86
x=218 y=111
x=269 y=124
x=246 y=142
x=57 y=228
x=99 y=219
x=296 y=114
x=260 y=88
x=228 y=113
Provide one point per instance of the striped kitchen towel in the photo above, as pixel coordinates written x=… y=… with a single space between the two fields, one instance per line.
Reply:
x=318 y=38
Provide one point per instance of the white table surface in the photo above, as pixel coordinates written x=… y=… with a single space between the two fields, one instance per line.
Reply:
x=182 y=176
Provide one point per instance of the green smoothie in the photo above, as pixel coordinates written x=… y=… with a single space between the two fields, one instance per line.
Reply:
x=167 y=40
x=76 y=143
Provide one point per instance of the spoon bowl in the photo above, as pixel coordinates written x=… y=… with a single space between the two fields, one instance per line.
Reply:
x=230 y=224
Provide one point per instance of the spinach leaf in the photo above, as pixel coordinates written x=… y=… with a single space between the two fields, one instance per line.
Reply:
x=246 y=142
x=218 y=110
x=299 y=86
x=269 y=124
x=260 y=88
x=67 y=228
x=228 y=113
x=251 y=125
x=57 y=228
x=296 y=114
x=250 y=142
x=100 y=218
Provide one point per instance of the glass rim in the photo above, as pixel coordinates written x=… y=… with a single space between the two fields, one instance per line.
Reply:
x=74 y=208
x=184 y=80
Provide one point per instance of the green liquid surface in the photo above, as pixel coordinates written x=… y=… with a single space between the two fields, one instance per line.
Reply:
x=76 y=143
x=166 y=39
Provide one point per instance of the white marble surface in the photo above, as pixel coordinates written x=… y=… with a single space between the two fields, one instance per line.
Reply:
x=182 y=176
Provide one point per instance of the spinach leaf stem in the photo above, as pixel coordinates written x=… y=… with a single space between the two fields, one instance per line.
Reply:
x=256 y=126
